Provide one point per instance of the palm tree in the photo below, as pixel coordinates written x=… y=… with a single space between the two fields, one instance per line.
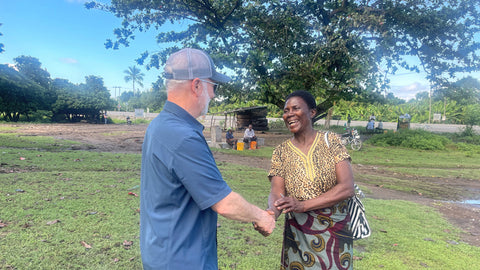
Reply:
x=134 y=74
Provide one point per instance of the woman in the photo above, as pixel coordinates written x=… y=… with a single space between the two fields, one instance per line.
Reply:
x=311 y=182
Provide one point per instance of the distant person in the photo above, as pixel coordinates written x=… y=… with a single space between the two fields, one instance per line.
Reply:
x=349 y=120
x=370 y=125
x=182 y=189
x=380 y=125
x=230 y=139
x=105 y=117
x=372 y=117
x=249 y=134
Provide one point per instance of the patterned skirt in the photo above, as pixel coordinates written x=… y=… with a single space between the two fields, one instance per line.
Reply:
x=319 y=239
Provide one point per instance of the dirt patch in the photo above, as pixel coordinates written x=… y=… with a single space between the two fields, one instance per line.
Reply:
x=129 y=138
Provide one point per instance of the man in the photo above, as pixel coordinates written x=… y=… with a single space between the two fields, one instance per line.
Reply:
x=370 y=125
x=230 y=139
x=182 y=189
x=249 y=134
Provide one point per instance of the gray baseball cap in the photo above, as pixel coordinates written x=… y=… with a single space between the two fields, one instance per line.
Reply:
x=188 y=64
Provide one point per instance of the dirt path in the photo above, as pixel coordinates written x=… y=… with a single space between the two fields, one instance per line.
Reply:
x=129 y=138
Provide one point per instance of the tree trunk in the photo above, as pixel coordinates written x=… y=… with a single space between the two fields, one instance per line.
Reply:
x=328 y=118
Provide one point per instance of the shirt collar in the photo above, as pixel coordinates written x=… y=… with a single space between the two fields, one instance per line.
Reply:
x=183 y=114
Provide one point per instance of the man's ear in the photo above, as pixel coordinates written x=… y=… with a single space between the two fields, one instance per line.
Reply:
x=196 y=87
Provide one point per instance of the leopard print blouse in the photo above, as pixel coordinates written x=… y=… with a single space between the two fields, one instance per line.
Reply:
x=308 y=176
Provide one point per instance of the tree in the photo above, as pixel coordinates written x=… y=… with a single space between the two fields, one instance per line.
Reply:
x=464 y=91
x=67 y=106
x=421 y=96
x=96 y=97
x=19 y=95
x=135 y=75
x=472 y=115
x=334 y=49
x=32 y=68
x=126 y=96
x=83 y=101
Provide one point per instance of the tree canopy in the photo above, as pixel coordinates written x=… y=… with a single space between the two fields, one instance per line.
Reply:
x=83 y=101
x=26 y=88
x=465 y=91
x=334 y=49
x=18 y=94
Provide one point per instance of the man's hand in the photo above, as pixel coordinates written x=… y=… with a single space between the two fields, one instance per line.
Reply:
x=266 y=224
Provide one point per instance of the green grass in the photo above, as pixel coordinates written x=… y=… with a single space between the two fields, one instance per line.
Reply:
x=411 y=169
x=7 y=128
x=409 y=236
x=413 y=158
x=15 y=140
x=93 y=207
x=55 y=198
x=241 y=247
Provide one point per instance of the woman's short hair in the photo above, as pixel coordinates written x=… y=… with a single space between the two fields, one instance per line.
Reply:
x=306 y=96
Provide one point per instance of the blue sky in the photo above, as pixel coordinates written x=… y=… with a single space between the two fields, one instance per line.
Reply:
x=69 y=41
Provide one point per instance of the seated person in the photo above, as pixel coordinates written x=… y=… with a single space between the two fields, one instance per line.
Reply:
x=380 y=126
x=249 y=134
x=230 y=139
x=370 y=125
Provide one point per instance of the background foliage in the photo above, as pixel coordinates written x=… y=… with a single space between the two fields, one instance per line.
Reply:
x=27 y=89
x=341 y=51
x=335 y=49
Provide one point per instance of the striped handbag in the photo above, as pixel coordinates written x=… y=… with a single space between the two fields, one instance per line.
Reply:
x=359 y=224
x=358 y=220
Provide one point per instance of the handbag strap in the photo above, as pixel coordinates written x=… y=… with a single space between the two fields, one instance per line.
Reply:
x=326 y=139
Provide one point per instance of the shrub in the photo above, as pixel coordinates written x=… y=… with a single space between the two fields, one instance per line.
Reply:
x=468 y=135
x=415 y=139
x=276 y=124
x=470 y=148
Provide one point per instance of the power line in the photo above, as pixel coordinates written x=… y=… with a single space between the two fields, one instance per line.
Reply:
x=115 y=92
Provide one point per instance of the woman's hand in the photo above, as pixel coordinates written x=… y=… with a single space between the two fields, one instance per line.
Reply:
x=289 y=204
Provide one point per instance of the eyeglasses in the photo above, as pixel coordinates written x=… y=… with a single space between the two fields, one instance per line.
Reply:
x=215 y=85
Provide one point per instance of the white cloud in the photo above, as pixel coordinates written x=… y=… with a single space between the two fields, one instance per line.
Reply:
x=408 y=92
x=68 y=60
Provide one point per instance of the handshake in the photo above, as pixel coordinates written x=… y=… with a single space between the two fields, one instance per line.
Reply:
x=266 y=223
x=282 y=205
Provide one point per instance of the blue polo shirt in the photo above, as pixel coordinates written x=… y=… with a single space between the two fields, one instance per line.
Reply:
x=180 y=182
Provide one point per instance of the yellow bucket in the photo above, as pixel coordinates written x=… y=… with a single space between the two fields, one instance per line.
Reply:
x=240 y=146
x=253 y=145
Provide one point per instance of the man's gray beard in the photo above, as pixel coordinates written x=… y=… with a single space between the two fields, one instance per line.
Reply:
x=206 y=99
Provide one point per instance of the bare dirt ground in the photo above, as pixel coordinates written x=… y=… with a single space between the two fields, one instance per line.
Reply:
x=129 y=138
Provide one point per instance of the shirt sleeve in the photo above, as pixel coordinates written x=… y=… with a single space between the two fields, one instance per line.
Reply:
x=276 y=168
x=197 y=170
x=337 y=148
